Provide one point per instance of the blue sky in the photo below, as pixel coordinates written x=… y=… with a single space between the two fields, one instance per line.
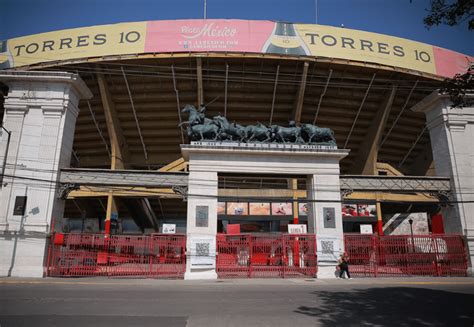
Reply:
x=400 y=18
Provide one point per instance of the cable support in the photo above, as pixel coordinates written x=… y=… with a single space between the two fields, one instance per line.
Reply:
x=165 y=68
x=98 y=129
x=399 y=114
x=274 y=94
x=322 y=96
x=135 y=115
x=225 y=89
x=289 y=82
x=413 y=146
x=358 y=112
x=177 y=103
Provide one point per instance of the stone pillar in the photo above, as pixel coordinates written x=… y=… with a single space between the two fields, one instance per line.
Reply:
x=40 y=112
x=201 y=224
x=452 y=134
x=325 y=220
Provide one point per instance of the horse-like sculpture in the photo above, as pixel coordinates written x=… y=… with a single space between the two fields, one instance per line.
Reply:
x=258 y=132
x=227 y=131
x=290 y=134
x=315 y=134
x=201 y=128
x=203 y=132
x=195 y=116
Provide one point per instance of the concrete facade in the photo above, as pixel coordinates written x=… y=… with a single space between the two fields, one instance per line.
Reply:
x=40 y=112
x=319 y=164
x=452 y=134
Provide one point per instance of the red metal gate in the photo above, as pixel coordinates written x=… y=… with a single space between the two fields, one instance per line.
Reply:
x=156 y=256
x=406 y=255
x=266 y=255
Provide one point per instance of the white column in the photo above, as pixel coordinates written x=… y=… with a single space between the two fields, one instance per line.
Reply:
x=325 y=220
x=201 y=225
x=452 y=134
x=40 y=112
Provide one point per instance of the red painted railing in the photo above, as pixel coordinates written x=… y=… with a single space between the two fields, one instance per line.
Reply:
x=266 y=256
x=406 y=255
x=154 y=256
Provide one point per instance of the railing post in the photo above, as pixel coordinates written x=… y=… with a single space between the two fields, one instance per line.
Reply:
x=250 y=241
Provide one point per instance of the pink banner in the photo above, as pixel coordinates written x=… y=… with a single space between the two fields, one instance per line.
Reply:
x=449 y=63
x=217 y=35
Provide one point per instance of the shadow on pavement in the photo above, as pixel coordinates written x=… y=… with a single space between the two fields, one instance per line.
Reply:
x=395 y=306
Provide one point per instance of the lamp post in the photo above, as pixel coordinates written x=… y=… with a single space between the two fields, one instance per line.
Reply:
x=6 y=154
x=411 y=231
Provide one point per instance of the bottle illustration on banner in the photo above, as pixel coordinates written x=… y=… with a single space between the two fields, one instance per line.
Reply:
x=285 y=40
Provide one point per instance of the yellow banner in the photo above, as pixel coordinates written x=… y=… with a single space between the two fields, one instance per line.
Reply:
x=126 y=38
x=334 y=42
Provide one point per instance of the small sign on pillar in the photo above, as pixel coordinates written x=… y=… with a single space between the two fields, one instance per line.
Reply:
x=329 y=216
x=202 y=216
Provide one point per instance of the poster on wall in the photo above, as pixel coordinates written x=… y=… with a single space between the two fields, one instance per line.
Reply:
x=358 y=210
x=366 y=210
x=302 y=209
x=221 y=208
x=282 y=209
x=237 y=208
x=259 y=208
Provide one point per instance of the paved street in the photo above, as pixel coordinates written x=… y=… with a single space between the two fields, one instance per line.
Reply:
x=305 y=302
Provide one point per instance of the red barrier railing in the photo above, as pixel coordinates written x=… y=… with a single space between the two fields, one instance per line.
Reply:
x=156 y=256
x=266 y=255
x=406 y=255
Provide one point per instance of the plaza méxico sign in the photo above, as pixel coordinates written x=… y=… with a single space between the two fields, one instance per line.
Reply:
x=219 y=35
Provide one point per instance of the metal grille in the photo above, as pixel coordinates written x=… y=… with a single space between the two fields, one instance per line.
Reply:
x=155 y=256
x=266 y=256
x=405 y=255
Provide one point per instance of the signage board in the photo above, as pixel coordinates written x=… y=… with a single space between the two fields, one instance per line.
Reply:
x=169 y=228
x=297 y=229
x=366 y=229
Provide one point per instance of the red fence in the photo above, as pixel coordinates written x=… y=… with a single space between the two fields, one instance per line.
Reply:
x=405 y=255
x=266 y=255
x=155 y=256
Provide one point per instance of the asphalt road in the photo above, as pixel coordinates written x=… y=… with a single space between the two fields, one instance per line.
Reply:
x=306 y=302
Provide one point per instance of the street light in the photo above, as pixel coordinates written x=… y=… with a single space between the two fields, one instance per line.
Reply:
x=411 y=231
x=6 y=154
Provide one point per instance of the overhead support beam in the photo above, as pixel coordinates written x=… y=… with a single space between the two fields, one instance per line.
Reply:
x=322 y=96
x=274 y=95
x=119 y=150
x=358 y=111
x=200 y=89
x=366 y=160
x=122 y=191
x=298 y=108
x=177 y=165
x=421 y=163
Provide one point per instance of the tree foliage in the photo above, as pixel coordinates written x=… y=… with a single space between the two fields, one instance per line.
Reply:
x=460 y=88
x=450 y=13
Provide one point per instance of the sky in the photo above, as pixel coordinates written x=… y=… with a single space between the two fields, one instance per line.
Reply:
x=402 y=18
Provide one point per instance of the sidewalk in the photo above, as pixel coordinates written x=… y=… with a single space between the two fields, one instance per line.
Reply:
x=380 y=281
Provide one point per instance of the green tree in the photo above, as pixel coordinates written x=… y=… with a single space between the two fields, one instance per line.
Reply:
x=450 y=13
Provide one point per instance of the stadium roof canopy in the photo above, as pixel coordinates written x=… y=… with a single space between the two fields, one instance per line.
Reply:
x=249 y=71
